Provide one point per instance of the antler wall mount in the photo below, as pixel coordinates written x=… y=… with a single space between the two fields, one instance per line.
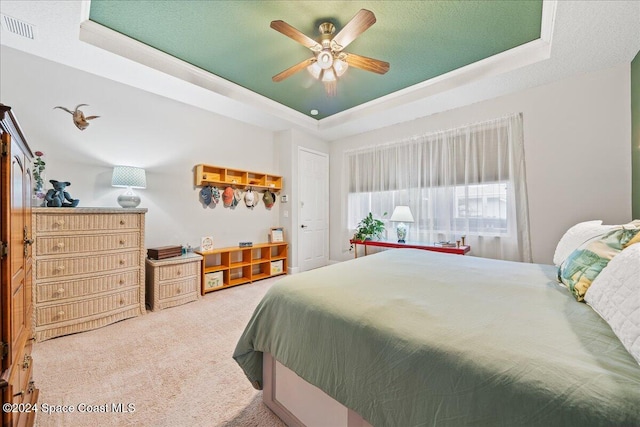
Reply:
x=330 y=61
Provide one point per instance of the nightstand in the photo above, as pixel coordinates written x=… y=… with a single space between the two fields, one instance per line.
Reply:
x=172 y=281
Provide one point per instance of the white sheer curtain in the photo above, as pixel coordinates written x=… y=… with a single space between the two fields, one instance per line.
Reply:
x=468 y=181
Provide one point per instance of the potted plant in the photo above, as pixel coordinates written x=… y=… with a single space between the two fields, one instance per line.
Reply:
x=369 y=228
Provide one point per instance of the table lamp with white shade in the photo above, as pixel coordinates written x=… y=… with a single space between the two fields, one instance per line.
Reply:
x=129 y=177
x=401 y=214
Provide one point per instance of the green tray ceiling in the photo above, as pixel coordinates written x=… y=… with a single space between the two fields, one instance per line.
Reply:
x=233 y=40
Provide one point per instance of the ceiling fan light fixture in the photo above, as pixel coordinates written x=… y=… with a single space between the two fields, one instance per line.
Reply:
x=315 y=70
x=329 y=75
x=325 y=59
x=340 y=67
x=329 y=62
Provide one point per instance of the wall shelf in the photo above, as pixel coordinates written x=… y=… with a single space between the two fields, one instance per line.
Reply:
x=236 y=265
x=221 y=176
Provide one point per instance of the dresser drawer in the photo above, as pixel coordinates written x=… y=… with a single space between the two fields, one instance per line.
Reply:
x=172 y=272
x=80 y=222
x=60 y=245
x=63 y=267
x=76 y=288
x=178 y=288
x=83 y=309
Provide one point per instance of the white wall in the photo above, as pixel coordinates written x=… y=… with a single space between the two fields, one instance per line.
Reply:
x=137 y=128
x=576 y=134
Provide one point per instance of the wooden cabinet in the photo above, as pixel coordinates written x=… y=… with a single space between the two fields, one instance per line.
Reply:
x=226 y=267
x=221 y=176
x=16 y=307
x=89 y=268
x=173 y=281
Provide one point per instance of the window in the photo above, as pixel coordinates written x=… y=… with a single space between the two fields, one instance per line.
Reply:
x=477 y=209
x=484 y=206
x=467 y=181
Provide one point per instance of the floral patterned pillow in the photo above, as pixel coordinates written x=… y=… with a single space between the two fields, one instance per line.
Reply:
x=585 y=263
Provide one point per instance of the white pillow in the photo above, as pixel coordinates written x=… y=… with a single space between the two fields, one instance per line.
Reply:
x=576 y=236
x=615 y=296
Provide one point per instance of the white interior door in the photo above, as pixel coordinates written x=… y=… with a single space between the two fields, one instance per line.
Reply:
x=313 y=209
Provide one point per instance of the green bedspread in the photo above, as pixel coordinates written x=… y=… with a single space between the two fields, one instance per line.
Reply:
x=416 y=338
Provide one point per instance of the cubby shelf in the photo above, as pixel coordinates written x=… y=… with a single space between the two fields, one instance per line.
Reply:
x=240 y=265
x=221 y=176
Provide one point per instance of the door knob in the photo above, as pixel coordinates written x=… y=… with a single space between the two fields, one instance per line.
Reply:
x=303 y=226
x=25 y=236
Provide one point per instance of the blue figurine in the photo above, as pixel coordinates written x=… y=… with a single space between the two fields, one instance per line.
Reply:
x=57 y=197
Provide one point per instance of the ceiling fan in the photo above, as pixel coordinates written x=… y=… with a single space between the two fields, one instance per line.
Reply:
x=330 y=61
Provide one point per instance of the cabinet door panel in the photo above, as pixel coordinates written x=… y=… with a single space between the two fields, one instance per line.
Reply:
x=19 y=251
x=15 y=269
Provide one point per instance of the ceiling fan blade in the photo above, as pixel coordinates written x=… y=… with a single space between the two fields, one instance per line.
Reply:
x=292 y=70
x=358 y=24
x=291 y=32
x=367 y=64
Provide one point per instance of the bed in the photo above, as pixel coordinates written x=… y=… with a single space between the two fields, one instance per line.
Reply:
x=412 y=338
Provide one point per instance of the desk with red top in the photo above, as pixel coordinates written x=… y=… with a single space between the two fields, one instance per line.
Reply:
x=411 y=245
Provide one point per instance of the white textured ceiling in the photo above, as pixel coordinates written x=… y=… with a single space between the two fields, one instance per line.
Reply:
x=582 y=36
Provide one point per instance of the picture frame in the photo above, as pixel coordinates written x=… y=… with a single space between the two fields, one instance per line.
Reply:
x=206 y=243
x=276 y=235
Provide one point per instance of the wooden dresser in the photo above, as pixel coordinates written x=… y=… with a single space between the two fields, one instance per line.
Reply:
x=89 y=268
x=173 y=281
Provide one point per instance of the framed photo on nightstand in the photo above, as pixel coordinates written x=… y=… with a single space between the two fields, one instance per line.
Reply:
x=276 y=235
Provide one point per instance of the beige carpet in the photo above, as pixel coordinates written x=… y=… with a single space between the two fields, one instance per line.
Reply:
x=174 y=366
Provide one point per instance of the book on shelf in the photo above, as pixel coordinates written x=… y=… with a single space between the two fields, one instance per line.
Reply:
x=445 y=244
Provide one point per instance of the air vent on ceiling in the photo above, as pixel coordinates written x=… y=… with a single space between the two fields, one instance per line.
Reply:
x=18 y=27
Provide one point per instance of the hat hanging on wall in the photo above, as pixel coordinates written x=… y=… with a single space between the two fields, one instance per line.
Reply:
x=249 y=198
x=215 y=195
x=267 y=197
x=227 y=197
x=205 y=194
x=237 y=196
x=210 y=195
